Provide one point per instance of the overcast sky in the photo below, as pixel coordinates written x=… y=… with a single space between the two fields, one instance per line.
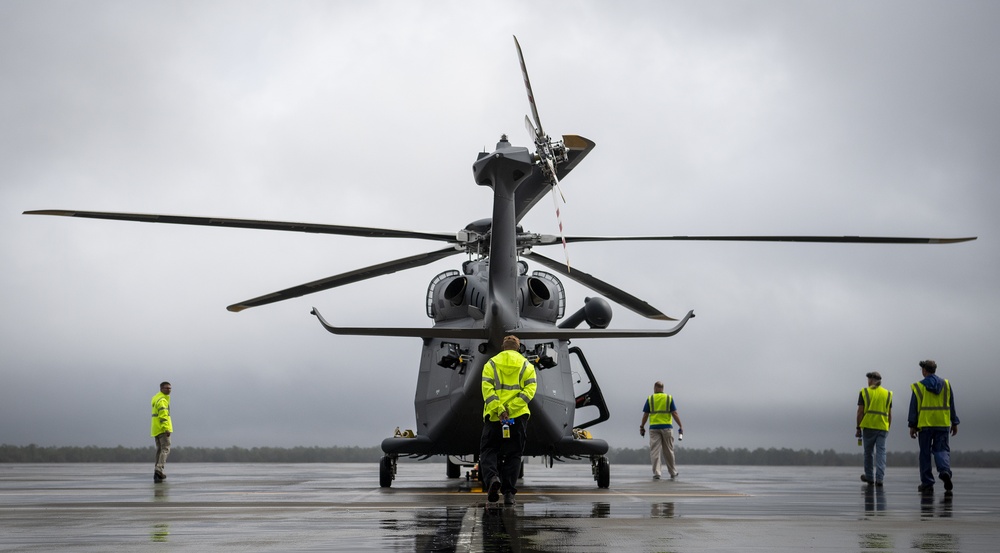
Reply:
x=846 y=118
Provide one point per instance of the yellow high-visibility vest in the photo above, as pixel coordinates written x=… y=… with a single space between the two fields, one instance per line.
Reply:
x=877 y=401
x=659 y=409
x=508 y=383
x=161 y=415
x=933 y=409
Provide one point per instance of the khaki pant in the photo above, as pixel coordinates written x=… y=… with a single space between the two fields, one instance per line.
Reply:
x=661 y=447
x=162 y=450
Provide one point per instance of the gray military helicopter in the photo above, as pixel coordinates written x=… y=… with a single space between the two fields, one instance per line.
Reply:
x=491 y=296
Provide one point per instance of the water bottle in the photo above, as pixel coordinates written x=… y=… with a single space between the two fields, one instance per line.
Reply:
x=680 y=435
x=859 y=441
x=506 y=430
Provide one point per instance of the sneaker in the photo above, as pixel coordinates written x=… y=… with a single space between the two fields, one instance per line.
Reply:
x=493 y=494
x=878 y=483
x=946 y=478
x=158 y=477
x=925 y=488
x=656 y=477
x=674 y=475
x=866 y=479
x=508 y=499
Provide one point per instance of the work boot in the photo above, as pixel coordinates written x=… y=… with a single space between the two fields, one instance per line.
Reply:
x=158 y=477
x=867 y=480
x=946 y=478
x=493 y=494
x=925 y=488
x=508 y=499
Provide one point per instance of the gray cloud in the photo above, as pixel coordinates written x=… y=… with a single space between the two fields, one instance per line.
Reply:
x=785 y=118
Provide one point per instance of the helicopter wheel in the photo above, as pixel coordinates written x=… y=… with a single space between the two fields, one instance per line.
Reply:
x=602 y=472
x=386 y=471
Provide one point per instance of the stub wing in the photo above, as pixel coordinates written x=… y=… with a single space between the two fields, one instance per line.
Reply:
x=430 y=332
x=571 y=333
x=482 y=334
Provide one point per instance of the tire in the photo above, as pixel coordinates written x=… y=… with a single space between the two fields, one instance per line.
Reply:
x=603 y=473
x=385 y=472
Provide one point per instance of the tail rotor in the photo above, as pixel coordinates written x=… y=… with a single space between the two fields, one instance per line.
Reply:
x=549 y=154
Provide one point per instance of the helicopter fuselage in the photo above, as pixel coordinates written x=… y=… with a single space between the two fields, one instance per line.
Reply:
x=448 y=402
x=497 y=295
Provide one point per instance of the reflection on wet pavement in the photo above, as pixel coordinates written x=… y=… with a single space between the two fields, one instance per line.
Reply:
x=938 y=543
x=341 y=508
x=875 y=502
x=929 y=508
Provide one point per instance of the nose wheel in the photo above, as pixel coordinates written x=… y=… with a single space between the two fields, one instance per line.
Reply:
x=601 y=468
x=386 y=470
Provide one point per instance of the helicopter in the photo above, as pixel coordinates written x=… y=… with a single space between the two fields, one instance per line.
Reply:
x=495 y=293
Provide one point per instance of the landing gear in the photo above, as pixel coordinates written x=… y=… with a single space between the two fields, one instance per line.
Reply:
x=386 y=470
x=601 y=468
x=452 y=470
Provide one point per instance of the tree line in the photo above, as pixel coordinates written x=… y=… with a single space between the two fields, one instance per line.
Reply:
x=799 y=457
x=340 y=454
x=93 y=454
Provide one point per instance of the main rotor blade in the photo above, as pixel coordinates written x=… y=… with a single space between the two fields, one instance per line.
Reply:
x=549 y=240
x=314 y=228
x=345 y=278
x=615 y=294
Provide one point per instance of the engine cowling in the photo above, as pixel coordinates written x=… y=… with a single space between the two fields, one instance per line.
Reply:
x=452 y=295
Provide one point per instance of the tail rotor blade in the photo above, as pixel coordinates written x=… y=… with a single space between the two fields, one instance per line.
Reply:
x=555 y=179
x=547 y=152
x=562 y=236
x=530 y=128
x=527 y=86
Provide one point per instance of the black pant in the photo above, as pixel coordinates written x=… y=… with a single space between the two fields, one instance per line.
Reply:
x=500 y=457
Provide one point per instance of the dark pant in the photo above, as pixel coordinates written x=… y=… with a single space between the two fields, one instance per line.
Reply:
x=933 y=444
x=500 y=457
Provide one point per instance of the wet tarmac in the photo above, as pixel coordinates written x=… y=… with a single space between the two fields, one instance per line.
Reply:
x=339 y=507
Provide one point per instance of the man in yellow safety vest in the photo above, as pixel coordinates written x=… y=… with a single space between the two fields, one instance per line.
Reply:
x=932 y=416
x=874 y=418
x=160 y=429
x=508 y=386
x=661 y=413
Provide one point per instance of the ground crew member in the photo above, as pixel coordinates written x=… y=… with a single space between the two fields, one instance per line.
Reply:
x=160 y=429
x=508 y=386
x=932 y=416
x=874 y=418
x=661 y=413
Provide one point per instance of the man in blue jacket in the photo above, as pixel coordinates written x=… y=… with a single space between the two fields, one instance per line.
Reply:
x=932 y=416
